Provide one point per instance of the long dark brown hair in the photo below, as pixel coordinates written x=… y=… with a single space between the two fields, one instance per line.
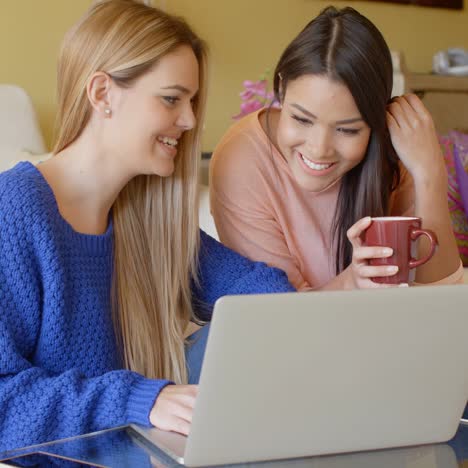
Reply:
x=347 y=48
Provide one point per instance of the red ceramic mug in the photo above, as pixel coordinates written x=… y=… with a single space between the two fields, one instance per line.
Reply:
x=399 y=233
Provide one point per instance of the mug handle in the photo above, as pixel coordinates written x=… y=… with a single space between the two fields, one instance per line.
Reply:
x=415 y=233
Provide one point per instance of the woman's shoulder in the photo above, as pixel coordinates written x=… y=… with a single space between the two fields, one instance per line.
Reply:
x=243 y=156
x=242 y=140
x=23 y=193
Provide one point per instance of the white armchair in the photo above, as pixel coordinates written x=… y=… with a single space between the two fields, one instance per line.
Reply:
x=204 y=214
x=19 y=128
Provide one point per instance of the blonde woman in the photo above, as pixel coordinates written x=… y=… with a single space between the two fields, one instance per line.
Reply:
x=103 y=270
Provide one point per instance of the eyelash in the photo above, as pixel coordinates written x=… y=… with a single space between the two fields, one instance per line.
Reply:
x=349 y=131
x=171 y=99
x=345 y=131
x=301 y=120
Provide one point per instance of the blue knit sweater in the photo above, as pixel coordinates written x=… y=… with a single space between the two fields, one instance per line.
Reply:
x=59 y=368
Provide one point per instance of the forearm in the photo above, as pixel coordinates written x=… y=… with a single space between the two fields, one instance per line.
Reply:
x=415 y=141
x=224 y=272
x=431 y=205
x=38 y=407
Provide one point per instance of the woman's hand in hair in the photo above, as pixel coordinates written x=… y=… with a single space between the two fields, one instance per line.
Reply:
x=359 y=272
x=414 y=138
x=173 y=409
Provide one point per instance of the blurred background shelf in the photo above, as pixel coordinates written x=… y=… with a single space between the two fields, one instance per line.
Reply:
x=445 y=96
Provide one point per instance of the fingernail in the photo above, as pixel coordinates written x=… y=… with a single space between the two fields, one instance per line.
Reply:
x=387 y=251
x=403 y=285
x=392 y=269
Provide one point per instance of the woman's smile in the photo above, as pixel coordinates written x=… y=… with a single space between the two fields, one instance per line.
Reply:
x=315 y=168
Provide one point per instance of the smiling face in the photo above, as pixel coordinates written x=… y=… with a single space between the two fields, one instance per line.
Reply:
x=320 y=131
x=149 y=117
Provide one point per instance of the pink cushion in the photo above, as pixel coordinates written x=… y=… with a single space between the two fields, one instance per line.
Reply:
x=455 y=150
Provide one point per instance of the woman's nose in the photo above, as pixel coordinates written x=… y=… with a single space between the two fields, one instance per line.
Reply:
x=187 y=119
x=320 y=144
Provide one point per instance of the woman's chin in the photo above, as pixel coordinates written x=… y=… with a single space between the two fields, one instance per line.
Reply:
x=315 y=184
x=164 y=169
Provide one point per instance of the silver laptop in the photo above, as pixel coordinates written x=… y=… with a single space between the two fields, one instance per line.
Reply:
x=302 y=374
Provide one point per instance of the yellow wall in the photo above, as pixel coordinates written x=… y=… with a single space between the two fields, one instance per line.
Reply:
x=30 y=36
x=245 y=37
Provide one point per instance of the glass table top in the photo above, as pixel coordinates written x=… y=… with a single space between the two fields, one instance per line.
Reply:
x=122 y=447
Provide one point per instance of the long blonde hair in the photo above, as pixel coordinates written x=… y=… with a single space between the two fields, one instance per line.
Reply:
x=156 y=237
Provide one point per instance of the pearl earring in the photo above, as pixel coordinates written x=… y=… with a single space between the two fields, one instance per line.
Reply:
x=107 y=111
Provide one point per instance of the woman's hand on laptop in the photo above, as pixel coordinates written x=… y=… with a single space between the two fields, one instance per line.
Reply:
x=173 y=409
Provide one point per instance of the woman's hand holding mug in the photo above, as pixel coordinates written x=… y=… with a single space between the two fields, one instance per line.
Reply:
x=401 y=234
x=360 y=272
x=383 y=250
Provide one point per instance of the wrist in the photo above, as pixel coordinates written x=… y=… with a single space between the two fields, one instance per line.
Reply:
x=434 y=178
x=348 y=279
x=141 y=399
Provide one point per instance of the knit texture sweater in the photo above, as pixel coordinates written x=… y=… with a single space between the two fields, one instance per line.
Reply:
x=60 y=373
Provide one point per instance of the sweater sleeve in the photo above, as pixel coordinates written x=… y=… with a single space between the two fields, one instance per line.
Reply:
x=224 y=272
x=36 y=404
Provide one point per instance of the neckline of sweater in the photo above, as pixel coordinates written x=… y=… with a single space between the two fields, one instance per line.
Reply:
x=94 y=243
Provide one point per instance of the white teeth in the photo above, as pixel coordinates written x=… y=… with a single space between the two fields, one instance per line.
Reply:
x=315 y=166
x=168 y=141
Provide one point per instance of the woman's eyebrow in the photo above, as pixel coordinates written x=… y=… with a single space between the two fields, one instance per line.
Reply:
x=304 y=111
x=178 y=88
x=348 y=121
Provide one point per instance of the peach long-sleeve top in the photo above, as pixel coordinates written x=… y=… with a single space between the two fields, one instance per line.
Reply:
x=261 y=212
